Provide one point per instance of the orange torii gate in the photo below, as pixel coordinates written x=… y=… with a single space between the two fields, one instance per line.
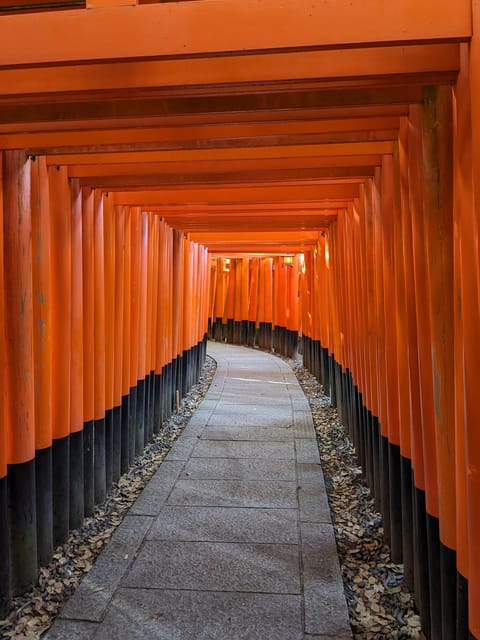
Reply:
x=137 y=127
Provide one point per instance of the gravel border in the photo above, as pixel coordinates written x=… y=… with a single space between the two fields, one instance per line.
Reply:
x=33 y=613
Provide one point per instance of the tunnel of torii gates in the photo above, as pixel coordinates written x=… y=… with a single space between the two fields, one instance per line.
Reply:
x=262 y=170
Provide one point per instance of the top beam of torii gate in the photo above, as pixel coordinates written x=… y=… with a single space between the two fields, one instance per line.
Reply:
x=233 y=27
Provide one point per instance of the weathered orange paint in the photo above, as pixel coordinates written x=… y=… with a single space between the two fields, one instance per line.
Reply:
x=61 y=245
x=76 y=361
x=19 y=397
x=42 y=303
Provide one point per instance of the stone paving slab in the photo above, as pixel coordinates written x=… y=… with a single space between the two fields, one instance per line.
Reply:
x=96 y=589
x=239 y=469
x=216 y=566
x=155 y=494
x=266 y=434
x=138 y=614
x=234 y=493
x=232 y=538
x=226 y=524
x=230 y=449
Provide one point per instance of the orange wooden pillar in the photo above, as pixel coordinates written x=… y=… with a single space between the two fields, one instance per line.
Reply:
x=120 y=399
x=438 y=207
x=466 y=321
x=42 y=349
x=188 y=309
x=469 y=232
x=254 y=271
x=156 y=326
x=4 y=527
x=19 y=396
x=177 y=306
x=425 y=502
x=291 y=308
x=77 y=481
x=136 y=404
x=100 y=476
x=128 y=391
x=229 y=269
x=392 y=417
x=109 y=295
x=141 y=336
x=88 y=287
x=61 y=240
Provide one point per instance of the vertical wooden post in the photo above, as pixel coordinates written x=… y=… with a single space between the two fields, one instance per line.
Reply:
x=42 y=336
x=88 y=287
x=61 y=242
x=120 y=442
x=77 y=507
x=100 y=475
x=110 y=316
x=438 y=207
x=4 y=525
x=20 y=399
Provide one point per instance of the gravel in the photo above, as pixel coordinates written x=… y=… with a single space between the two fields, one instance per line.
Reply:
x=33 y=613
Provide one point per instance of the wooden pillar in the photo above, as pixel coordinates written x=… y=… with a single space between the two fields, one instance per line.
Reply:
x=77 y=506
x=42 y=335
x=88 y=312
x=19 y=397
x=61 y=242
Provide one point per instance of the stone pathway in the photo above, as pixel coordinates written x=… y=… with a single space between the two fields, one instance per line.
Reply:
x=232 y=538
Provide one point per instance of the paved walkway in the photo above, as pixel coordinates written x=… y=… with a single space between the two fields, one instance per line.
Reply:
x=231 y=539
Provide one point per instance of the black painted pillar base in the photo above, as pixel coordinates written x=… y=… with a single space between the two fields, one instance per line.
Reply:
x=100 y=477
x=462 y=607
x=433 y=540
x=384 y=488
x=132 y=415
x=448 y=578
x=88 y=468
x=4 y=551
x=22 y=519
x=61 y=489
x=125 y=427
x=108 y=448
x=395 y=501
x=140 y=418
x=407 y=520
x=117 y=443
x=77 y=509
x=157 y=404
x=420 y=554
x=44 y=503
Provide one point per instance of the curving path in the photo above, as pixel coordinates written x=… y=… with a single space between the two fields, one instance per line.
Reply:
x=232 y=538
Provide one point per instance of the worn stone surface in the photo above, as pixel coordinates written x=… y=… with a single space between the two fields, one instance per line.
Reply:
x=216 y=566
x=155 y=494
x=306 y=450
x=238 y=469
x=95 y=591
x=72 y=630
x=232 y=449
x=138 y=614
x=265 y=434
x=234 y=493
x=226 y=524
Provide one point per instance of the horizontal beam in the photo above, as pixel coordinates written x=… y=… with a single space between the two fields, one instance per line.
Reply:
x=266 y=194
x=107 y=140
x=124 y=182
x=200 y=155
x=178 y=169
x=209 y=28
x=233 y=71
x=125 y=105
